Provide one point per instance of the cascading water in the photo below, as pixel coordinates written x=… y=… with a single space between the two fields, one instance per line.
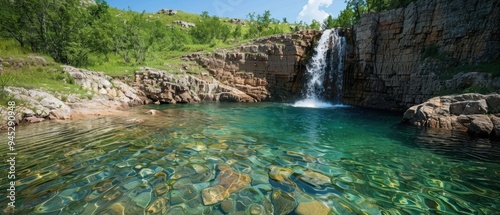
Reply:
x=324 y=71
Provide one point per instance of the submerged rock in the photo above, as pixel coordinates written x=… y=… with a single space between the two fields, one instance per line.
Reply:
x=280 y=174
x=315 y=178
x=230 y=181
x=312 y=208
x=283 y=202
x=159 y=206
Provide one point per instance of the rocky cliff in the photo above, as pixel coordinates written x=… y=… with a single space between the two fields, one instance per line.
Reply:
x=267 y=69
x=164 y=87
x=398 y=58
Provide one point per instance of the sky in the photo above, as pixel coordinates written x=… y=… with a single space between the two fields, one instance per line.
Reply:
x=293 y=10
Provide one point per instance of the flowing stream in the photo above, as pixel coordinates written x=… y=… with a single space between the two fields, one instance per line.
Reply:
x=325 y=71
x=281 y=159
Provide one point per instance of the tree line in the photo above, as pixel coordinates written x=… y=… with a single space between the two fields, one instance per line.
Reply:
x=75 y=33
x=355 y=8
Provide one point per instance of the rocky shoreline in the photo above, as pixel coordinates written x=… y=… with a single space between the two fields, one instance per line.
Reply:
x=111 y=96
x=476 y=114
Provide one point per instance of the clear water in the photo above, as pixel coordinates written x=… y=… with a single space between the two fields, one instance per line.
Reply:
x=373 y=165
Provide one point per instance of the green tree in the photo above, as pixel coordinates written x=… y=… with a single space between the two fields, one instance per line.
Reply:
x=315 y=25
x=210 y=28
x=328 y=23
x=59 y=28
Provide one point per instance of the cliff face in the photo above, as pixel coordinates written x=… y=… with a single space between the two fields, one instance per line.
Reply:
x=386 y=66
x=268 y=69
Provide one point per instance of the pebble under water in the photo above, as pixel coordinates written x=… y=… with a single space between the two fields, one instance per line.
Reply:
x=262 y=158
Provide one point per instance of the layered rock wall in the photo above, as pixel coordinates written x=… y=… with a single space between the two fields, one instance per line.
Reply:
x=386 y=67
x=268 y=69
x=163 y=87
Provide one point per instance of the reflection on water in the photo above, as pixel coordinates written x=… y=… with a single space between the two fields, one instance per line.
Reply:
x=251 y=158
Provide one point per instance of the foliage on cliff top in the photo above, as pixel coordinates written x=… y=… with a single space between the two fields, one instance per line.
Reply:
x=356 y=8
x=102 y=37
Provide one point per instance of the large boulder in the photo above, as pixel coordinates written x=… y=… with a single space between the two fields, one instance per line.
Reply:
x=480 y=125
x=496 y=127
x=230 y=181
x=474 y=113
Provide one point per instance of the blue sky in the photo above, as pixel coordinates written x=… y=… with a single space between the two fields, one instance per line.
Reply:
x=293 y=10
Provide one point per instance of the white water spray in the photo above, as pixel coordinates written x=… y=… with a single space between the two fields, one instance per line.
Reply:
x=319 y=69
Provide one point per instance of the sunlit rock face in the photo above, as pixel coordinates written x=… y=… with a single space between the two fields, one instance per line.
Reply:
x=164 y=87
x=268 y=69
x=398 y=58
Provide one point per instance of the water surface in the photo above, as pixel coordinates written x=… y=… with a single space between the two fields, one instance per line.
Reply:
x=351 y=160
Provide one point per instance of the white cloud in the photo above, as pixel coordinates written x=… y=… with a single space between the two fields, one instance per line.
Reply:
x=313 y=10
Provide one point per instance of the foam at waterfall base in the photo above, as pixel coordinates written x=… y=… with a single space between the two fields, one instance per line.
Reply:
x=314 y=103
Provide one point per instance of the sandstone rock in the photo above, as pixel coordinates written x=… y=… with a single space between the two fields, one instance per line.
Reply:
x=480 y=126
x=496 y=127
x=476 y=107
x=315 y=178
x=312 y=208
x=63 y=114
x=34 y=119
x=264 y=70
x=493 y=102
x=466 y=112
x=280 y=174
x=152 y=112
x=230 y=181
x=283 y=202
x=47 y=100
x=227 y=205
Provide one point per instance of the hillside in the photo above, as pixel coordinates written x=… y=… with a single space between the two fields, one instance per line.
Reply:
x=21 y=66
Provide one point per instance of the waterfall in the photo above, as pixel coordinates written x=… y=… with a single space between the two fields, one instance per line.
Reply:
x=325 y=72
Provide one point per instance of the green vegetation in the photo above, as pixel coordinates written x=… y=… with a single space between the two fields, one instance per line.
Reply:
x=355 y=8
x=117 y=42
x=101 y=38
x=22 y=68
x=92 y=35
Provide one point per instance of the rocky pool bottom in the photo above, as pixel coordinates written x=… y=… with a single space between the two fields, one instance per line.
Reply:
x=260 y=158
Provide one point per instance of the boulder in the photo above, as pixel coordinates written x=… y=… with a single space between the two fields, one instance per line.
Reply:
x=315 y=178
x=280 y=174
x=480 y=126
x=466 y=112
x=496 y=127
x=493 y=102
x=312 y=208
x=476 y=107
x=34 y=119
x=283 y=202
x=230 y=181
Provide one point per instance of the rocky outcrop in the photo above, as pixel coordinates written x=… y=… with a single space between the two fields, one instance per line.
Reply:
x=169 y=88
x=106 y=87
x=237 y=21
x=475 y=113
x=268 y=69
x=167 y=12
x=184 y=24
x=105 y=96
x=401 y=57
